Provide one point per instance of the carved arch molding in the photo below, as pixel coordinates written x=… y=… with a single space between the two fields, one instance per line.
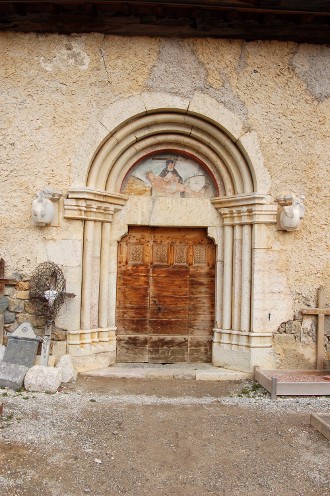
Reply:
x=241 y=339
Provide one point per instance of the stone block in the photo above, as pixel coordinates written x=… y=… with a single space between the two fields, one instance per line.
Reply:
x=249 y=142
x=2 y=352
x=23 y=286
x=293 y=327
x=284 y=339
x=43 y=379
x=4 y=303
x=93 y=362
x=23 y=295
x=9 y=317
x=221 y=375
x=119 y=111
x=9 y=290
x=164 y=101
x=16 y=305
x=12 y=375
x=59 y=349
x=36 y=321
x=215 y=111
x=69 y=373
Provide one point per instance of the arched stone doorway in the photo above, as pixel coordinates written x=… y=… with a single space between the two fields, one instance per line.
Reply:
x=237 y=220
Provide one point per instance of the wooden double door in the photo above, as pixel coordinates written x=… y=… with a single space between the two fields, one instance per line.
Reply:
x=165 y=295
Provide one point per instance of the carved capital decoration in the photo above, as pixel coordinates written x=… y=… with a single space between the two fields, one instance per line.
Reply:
x=90 y=204
x=253 y=208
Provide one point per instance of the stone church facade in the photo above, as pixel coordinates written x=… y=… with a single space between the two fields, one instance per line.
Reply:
x=79 y=112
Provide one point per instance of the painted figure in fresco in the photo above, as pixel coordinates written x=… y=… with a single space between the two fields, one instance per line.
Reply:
x=170 y=171
x=165 y=186
x=191 y=181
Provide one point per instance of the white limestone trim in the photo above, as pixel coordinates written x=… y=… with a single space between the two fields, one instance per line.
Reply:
x=230 y=339
x=120 y=114
x=91 y=341
x=89 y=204
x=144 y=134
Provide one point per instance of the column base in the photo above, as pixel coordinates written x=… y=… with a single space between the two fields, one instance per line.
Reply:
x=238 y=350
x=92 y=349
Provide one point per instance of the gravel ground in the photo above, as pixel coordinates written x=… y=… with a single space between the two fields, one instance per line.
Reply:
x=106 y=437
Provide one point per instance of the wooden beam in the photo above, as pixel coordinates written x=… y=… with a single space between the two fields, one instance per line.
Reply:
x=316 y=311
x=320 y=312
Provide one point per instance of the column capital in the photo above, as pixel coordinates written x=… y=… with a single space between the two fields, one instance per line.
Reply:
x=253 y=208
x=90 y=204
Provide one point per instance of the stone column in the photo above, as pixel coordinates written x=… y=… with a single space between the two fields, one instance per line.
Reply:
x=237 y=344
x=227 y=277
x=92 y=345
x=246 y=278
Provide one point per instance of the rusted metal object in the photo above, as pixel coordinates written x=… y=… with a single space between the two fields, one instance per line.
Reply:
x=48 y=290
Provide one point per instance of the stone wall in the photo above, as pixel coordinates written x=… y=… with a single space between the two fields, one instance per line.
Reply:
x=55 y=88
x=20 y=308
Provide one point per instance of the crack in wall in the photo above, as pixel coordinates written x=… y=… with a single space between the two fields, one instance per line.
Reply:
x=104 y=64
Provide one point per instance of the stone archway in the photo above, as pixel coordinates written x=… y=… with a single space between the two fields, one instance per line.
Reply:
x=237 y=220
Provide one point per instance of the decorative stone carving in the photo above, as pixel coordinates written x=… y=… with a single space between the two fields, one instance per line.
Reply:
x=291 y=213
x=89 y=204
x=42 y=210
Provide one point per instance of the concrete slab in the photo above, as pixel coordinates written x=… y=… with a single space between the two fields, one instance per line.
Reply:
x=118 y=373
x=221 y=375
x=185 y=371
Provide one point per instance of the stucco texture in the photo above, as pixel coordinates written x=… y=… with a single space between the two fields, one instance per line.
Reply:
x=55 y=88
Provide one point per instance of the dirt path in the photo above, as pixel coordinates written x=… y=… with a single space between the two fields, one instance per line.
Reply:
x=106 y=437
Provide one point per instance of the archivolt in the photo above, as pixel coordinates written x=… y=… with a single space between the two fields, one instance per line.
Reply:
x=172 y=130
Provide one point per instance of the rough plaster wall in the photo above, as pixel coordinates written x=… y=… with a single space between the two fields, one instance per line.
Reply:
x=53 y=88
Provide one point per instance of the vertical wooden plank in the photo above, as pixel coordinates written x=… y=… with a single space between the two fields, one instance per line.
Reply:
x=320 y=331
x=132 y=298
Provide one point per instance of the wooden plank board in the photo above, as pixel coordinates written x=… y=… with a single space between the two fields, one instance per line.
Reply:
x=132 y=326
x=163 y=349
x=132 y=349
x=271 y=381
x=167 y=296
x=168 y=327
x=199 y=349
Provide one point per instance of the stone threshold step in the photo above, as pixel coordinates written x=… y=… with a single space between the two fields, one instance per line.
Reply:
x=175 y=371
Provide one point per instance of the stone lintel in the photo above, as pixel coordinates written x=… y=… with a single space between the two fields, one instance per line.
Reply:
x=90 y=204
